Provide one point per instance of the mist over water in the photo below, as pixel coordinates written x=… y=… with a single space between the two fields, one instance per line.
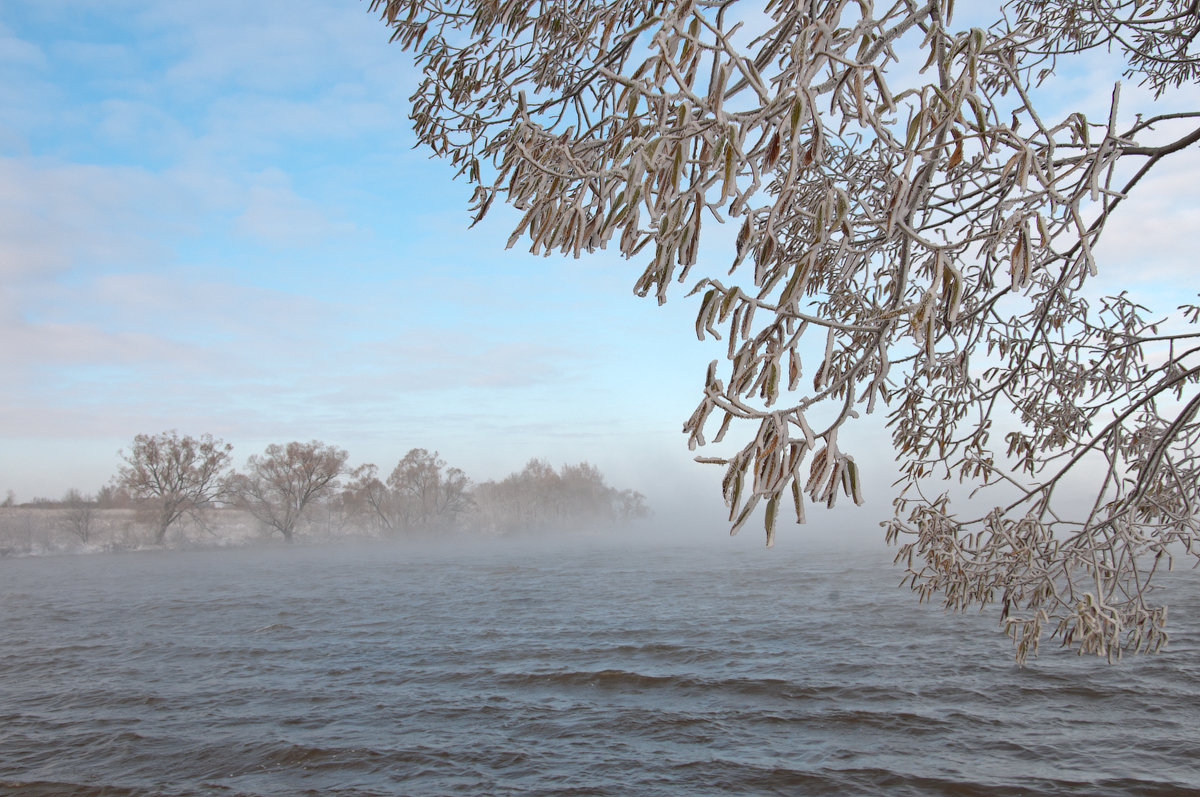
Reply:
x=551 y=667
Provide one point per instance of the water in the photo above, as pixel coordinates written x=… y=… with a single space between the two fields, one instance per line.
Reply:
x=556 y=669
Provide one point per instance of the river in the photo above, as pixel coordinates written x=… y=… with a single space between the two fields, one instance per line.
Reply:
x=595 y=668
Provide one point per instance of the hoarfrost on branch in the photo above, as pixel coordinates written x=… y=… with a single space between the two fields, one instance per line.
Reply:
x=913 y=238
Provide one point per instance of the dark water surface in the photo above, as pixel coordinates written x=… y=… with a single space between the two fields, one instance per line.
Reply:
x=587 y=670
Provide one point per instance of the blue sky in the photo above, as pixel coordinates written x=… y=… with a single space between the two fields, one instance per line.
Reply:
x=212 y=220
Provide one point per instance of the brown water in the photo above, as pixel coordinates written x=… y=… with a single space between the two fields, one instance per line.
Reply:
x=557 y=669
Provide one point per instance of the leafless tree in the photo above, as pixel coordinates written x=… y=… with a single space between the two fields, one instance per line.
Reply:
x=422 y=494
x=79 y=513
x=111 y=496
x=917 y=239
x=425 y=493
x=368 y=500
x=285 y=480
x=538 y=498
x=173 y=475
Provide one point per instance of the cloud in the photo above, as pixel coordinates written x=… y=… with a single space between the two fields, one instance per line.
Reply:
x=56 y=216
x=276 y=215
x=1145 y=246
x=345 y=112
x=252 y=45
x=145 y=126
x=210 y=220
x=18 y=52
x=430 y=359
x=121 y=63
x=271 y=46
x=173 y=343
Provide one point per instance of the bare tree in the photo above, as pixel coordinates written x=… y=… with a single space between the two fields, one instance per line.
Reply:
x=538 y=498
x=111 y=496
x=914 y=239
x=425 y=494
x=368 y=499
x=173 y=475
x=79 y=513
x=422 y=494
x=280 y=485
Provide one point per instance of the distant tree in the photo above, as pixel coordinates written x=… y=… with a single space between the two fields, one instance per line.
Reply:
x=428 y=495
x=520 y=502
x=10 y=499
x=173 y=475
x=79 y=512
x=422 y=494
x=539 y=498
x=630 y=506
x=917 y=232
x=285 y=480
x=368 y=500
x=111 y=496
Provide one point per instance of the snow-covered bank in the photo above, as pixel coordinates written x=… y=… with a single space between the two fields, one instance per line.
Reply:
x=28 y=531
x=53 y=531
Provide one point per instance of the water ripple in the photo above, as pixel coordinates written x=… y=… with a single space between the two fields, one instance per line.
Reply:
x=603 y=671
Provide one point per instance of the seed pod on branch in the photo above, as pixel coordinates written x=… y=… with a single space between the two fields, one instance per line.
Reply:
x=933 y=224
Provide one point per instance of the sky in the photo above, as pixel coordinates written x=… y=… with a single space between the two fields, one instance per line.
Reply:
x=213 y=219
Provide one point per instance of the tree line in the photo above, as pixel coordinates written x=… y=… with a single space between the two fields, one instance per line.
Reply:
x=168 y=477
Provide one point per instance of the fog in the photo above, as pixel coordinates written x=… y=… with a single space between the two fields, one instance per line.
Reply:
x=685 y=525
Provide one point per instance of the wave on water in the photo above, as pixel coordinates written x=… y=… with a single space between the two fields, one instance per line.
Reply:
x=626 y=671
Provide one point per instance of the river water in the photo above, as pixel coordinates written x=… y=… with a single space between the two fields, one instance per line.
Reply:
x=579 y=669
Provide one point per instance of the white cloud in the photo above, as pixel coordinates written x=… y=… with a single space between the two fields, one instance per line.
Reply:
x=428 y=359
x=271 y=46
x=118 y=61
x=16 y=51
x=276 y=215
x=56 y=216
x=256 y=121
x=141 y=125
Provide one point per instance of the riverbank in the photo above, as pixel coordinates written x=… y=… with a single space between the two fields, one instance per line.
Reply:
x=57 y=531
x=35 y=531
